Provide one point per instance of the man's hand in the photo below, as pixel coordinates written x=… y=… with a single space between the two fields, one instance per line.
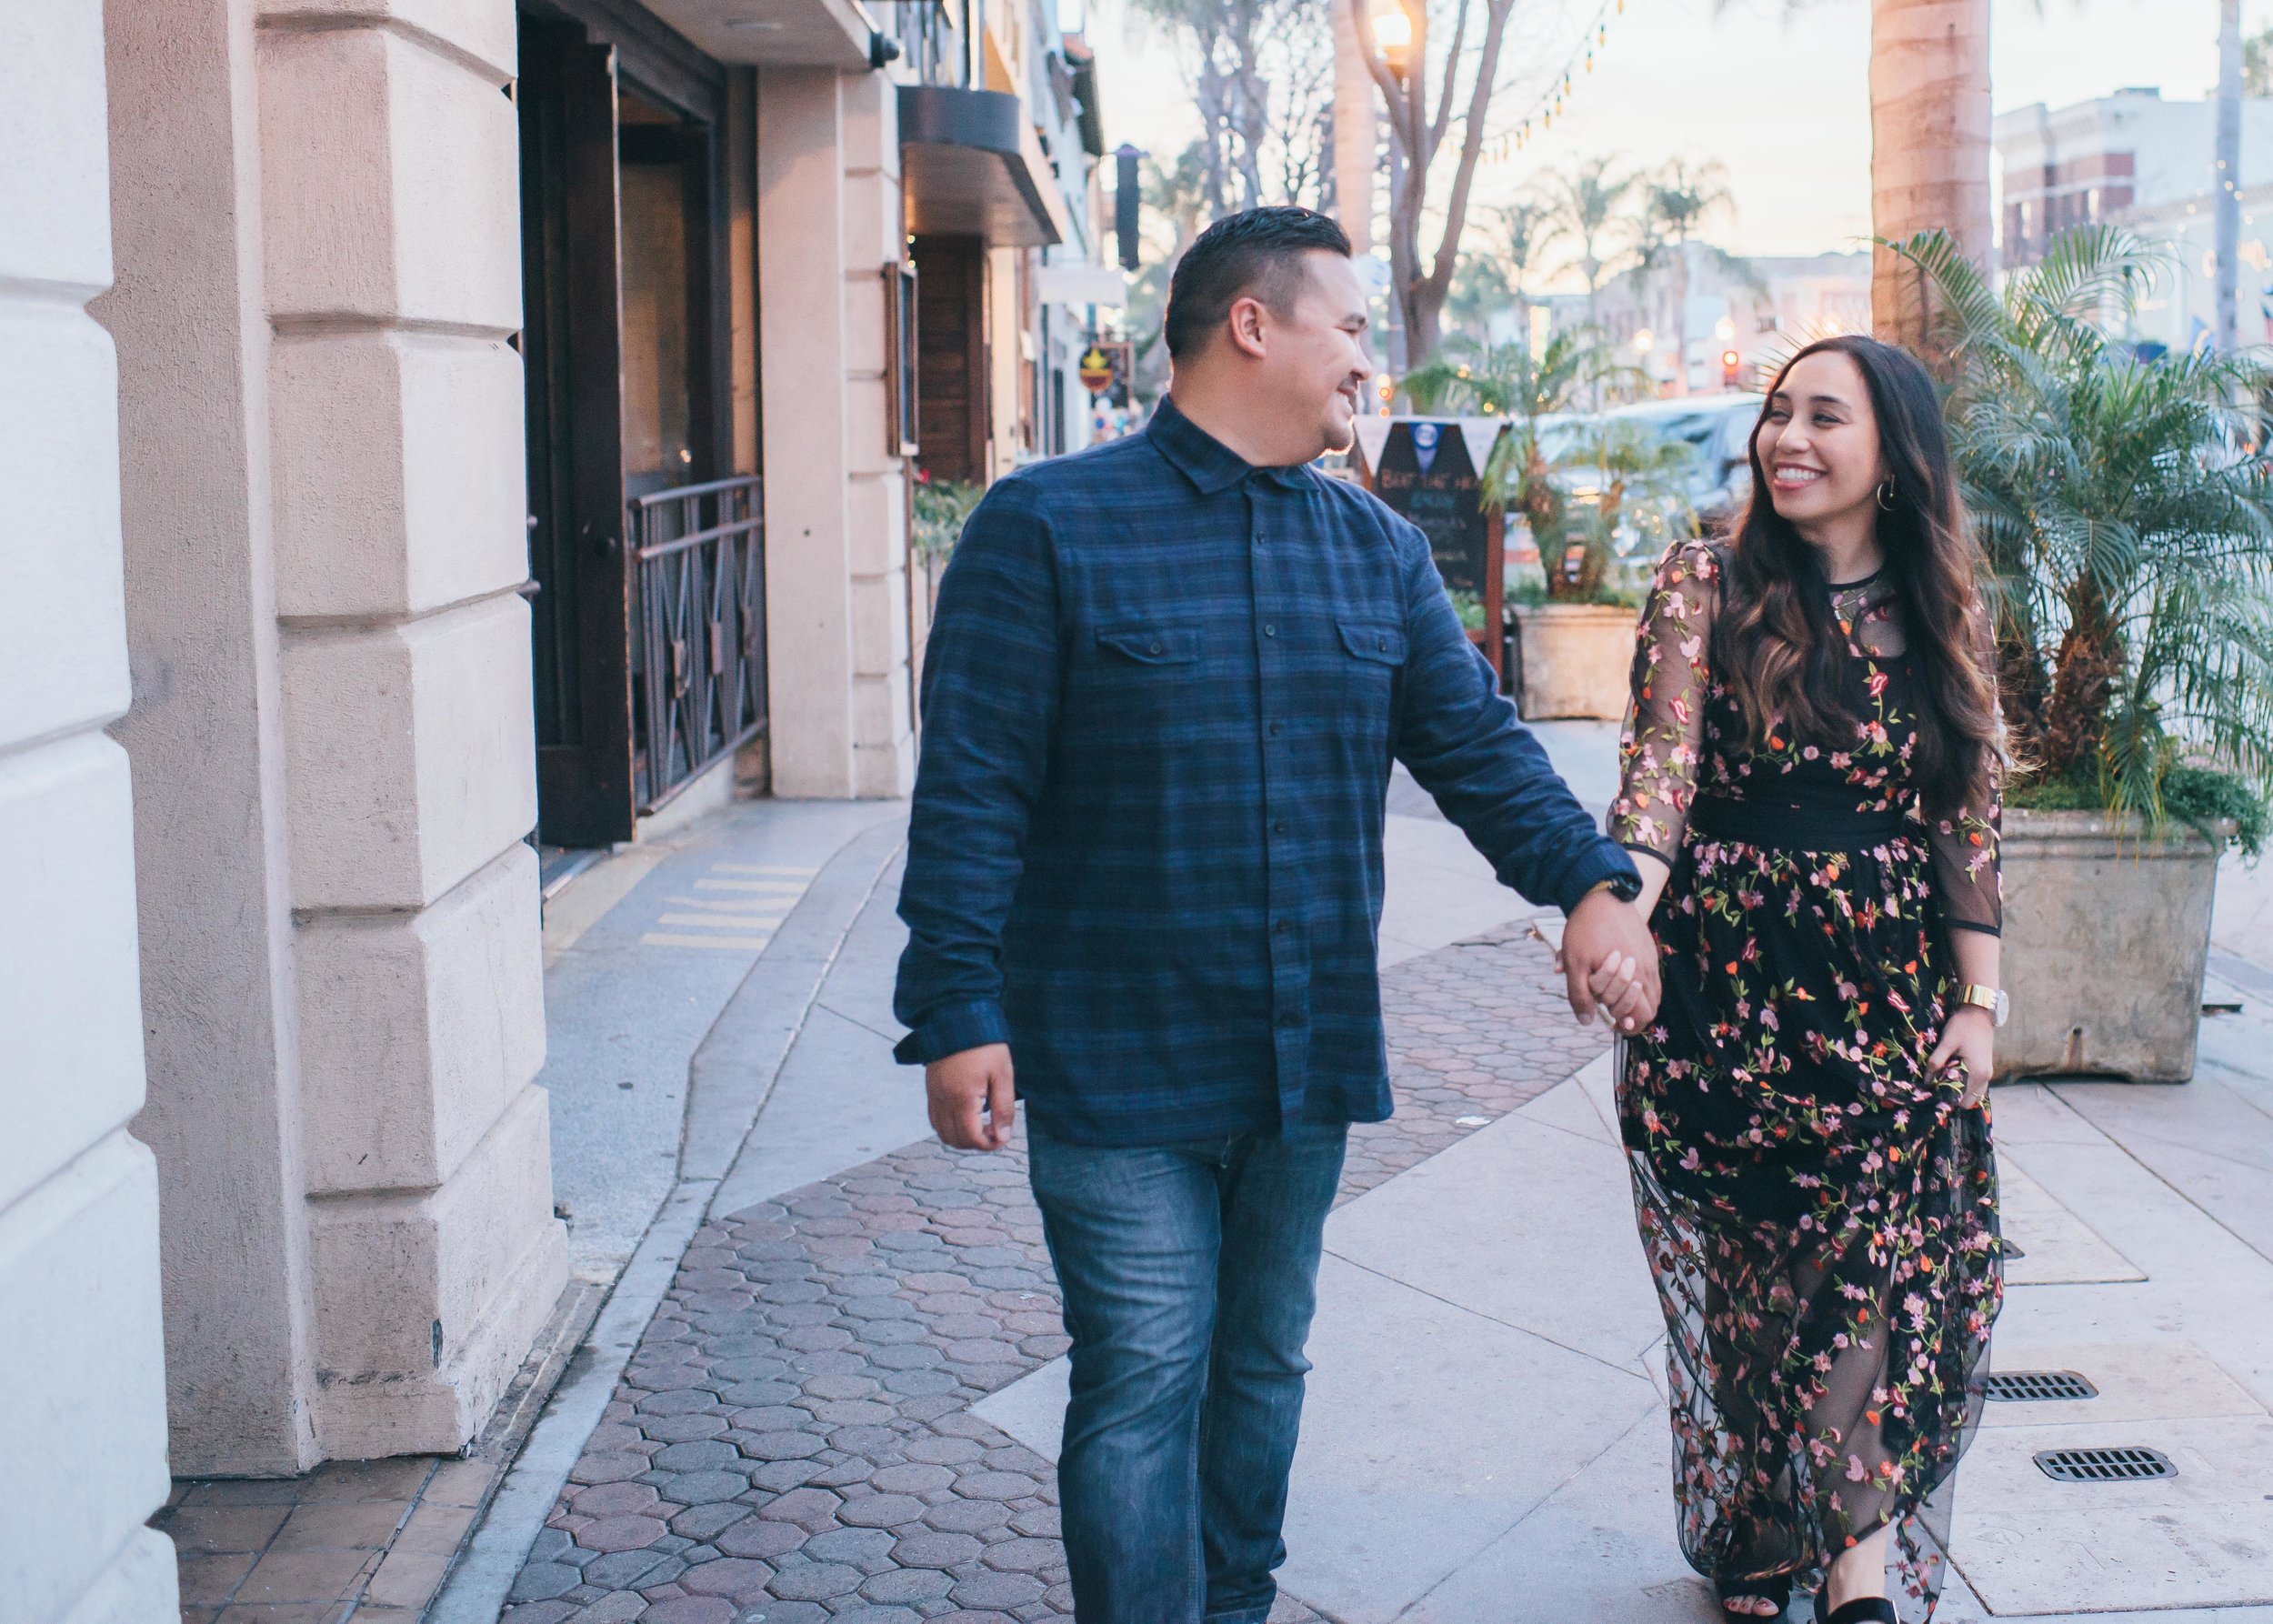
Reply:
x=1609 y=963
x=973 y=1105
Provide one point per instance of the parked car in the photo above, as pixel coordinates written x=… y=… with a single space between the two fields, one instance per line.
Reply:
x=1719 y=430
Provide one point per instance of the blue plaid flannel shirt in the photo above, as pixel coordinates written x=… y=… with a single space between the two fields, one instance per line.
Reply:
x=1162 y=696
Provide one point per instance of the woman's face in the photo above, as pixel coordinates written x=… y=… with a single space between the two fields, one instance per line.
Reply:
x=1818 y=442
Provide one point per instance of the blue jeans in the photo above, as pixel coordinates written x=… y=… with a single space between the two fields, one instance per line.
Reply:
x=1190 y=1272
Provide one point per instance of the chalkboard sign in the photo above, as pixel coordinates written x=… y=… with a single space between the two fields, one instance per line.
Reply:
x=1424 y=469
x=1425 y=473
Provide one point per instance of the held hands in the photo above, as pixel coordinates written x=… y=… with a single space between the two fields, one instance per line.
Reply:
x=1968 y=1038
x=973 y=1104
x=1609 y=963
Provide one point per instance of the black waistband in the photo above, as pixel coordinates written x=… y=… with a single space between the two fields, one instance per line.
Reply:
x=1795 y=828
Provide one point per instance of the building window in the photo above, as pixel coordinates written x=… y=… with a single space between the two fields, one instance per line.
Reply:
x=899 y=349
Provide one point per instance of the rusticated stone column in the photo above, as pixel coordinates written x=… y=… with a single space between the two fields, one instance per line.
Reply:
x=82 y=1395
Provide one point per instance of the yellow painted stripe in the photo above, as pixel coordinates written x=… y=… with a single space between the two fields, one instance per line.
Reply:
x=760 y=869
x=747 y=885
x=739 y=944
x=725 y=905
x=721 y=921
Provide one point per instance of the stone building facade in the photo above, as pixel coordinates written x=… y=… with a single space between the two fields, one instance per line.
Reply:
x=274 y=730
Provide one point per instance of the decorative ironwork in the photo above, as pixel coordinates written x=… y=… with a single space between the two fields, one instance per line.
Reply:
x=699 y=642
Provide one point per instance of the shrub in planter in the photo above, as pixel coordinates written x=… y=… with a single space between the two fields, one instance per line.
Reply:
x=941 y=506
x=1527 y=475
x=2126 y=509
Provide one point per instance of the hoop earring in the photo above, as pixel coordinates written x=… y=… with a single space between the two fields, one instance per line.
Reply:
x=1885 y=496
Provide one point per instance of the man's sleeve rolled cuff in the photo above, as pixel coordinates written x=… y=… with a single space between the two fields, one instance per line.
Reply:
x=952 y=1030
x=1604 y=860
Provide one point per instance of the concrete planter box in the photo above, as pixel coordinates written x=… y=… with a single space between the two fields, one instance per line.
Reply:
x=1577 y=660
x=2107 y=939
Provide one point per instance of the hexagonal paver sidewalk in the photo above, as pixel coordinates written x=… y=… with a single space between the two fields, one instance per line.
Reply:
x=792 y=1440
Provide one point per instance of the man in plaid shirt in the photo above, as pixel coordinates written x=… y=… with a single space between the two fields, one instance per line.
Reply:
x=1166 y=682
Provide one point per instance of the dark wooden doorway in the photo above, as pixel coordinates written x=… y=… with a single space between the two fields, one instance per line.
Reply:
x=951 y=394
x=570 y=355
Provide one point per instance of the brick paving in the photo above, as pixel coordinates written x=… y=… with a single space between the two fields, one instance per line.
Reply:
x=793 y=1441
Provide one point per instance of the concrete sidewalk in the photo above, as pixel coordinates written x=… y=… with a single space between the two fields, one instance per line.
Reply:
x=839 y=1382
x=1485 y=1438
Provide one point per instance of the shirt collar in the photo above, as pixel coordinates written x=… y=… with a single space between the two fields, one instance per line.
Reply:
x=1202 y=458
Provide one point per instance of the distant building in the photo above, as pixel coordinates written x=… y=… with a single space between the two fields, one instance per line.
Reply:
x=1761 y=309
x=2136 y=160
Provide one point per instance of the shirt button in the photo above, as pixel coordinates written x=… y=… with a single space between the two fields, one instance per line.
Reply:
x=1155 y=647
x=1384 y=642
x=1274 y=729
x=1281 y=927
x=1269 y=630
x=1279 y=828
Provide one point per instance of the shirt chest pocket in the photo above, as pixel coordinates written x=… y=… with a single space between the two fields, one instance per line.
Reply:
x=1140 y=681
x=1154 y=645
x=1373 y=654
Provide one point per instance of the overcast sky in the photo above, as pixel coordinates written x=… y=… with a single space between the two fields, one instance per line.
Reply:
x=1785 y=106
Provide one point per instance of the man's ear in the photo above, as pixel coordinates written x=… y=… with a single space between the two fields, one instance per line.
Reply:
x=1249 y=325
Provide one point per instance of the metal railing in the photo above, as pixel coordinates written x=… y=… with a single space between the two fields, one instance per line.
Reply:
x=698 y=630
x=930 y=44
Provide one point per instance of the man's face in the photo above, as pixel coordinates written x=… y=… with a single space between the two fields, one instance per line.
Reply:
x=1316 y=358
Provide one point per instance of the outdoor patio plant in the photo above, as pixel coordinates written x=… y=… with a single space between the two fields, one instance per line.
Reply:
x=1577 y=480
x=2125 y=505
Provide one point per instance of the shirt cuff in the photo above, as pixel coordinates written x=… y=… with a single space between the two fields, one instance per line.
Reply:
x=1604 y=860
x=953 y=1029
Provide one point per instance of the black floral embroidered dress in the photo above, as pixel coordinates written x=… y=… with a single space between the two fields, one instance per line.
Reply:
x=1818 y=1212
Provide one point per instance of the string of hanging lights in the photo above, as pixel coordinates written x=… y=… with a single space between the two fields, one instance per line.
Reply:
x=1500 y=148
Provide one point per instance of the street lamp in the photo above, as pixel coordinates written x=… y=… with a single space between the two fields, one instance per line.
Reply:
x=1393 y=31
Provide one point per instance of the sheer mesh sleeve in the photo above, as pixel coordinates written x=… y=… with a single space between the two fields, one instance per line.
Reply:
x=1659 y=752
x=1967 y=874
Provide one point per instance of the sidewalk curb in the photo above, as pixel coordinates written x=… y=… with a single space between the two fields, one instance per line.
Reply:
x=734 y=1068
x=729 y=1079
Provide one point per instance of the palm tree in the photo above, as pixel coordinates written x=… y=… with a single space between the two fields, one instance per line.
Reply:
x=1623 y=463
x=2127 y=510
x=1929 y=144
x=2232 y=66
x=1586 y=209
x=1497 y=276
x=1677 y=201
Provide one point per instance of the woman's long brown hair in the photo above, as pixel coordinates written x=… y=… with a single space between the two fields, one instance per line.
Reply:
x=1776 y=643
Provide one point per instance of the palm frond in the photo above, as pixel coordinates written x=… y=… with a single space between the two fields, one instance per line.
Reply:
x=2125 y=507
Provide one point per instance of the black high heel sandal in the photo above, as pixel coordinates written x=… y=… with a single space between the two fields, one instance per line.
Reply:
x=1777 y=1590
x=1862 y=1609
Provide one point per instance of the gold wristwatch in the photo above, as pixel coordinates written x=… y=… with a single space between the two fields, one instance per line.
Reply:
x=1991 y=998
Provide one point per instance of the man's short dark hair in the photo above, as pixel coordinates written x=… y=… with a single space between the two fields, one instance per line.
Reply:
x=1257 y=253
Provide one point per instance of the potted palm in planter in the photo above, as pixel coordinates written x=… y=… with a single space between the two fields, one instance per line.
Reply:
x=1577 y=635
x=2126 y=512
x=1607 y=477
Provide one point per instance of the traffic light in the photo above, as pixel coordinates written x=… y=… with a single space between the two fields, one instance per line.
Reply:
x=1731 y=369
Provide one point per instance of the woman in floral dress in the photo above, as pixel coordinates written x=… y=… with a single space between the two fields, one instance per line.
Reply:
x=1810 y=777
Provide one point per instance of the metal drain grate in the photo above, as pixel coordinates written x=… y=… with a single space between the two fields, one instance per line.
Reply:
x=2037 y=1386
x=2104 y=1465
